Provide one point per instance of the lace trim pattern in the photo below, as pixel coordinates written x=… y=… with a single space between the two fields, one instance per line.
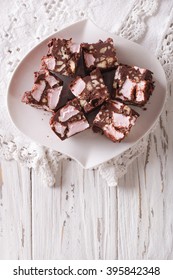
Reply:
x=44 y=160
x=165 y=52
x=134 y=25
x=112 y=170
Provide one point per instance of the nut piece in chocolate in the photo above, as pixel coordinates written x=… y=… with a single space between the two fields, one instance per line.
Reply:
x=90 y=90
x=46 y=92
x=115 y=120
x=133 y=85
x=63 y=56
x=69 y=120
x=100 y=55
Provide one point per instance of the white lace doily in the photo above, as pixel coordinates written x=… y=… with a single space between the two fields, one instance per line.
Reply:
x=25 y=23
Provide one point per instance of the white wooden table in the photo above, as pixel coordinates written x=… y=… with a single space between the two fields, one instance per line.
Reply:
x=82 y=218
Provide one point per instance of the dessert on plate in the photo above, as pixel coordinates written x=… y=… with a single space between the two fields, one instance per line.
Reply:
x=132 y=84
x=62 y=57
x=73 y=97
x=46 y=92
x=100 y=55
x=115 y=120
x=69 y=120
x=90 y=90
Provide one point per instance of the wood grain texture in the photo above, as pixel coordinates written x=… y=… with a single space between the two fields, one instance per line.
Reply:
x=15 y=211
x=82 y=218
x=146 y=195
x=77 y=218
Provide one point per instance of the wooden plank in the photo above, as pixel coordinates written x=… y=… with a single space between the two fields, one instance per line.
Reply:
x=145 y=198
x=77 y=218
x=15 y=211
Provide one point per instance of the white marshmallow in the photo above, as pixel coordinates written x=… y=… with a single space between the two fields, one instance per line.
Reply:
x=127 y=88
x=120 y=120
x=114 y=134
x=67 y=112
x=38 y=90
x=53 y=95
x=50 y=62
x=89 y=59
x=51 y=80
x=59 y=128
x=76 y=127
x=78 y=87
x=75 y=48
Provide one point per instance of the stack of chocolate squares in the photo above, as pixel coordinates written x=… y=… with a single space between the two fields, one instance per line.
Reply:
x=77 y=81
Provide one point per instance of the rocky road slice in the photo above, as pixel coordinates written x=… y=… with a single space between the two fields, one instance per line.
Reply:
x=100 y=55
x=133 y=85
x=69 y=120
x=115 y=120
x=46 y=92
x=90 y=90
x=63 y=56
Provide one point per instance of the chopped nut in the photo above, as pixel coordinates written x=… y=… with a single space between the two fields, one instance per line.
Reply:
x=59 y=62
x=93 y=77
x=83 y=102
x=102 y=64
x=95 y=83
x=114 y=84
x=107 y=120
x=64 y=55
x=101 y=58
x=78 y=117
x=44 y=100
x=89 y=86
x=127 y=109
x=109 y=60
x=103 y=50
x=72 y=65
